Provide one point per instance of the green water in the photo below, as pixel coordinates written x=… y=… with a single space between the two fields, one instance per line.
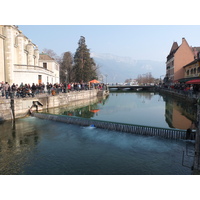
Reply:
x=33 y=146
x=149 y=109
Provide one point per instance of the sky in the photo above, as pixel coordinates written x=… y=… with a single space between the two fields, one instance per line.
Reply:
x=137 y=29
x=140 y=42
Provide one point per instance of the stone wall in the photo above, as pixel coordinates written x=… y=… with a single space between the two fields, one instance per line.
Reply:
x=23 y=105
x=5 y=110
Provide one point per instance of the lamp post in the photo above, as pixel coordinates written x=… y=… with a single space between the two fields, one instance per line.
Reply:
x=160 y=79
x=144 y=78
x=100 y=78
x=106 y=78
x=66 y=81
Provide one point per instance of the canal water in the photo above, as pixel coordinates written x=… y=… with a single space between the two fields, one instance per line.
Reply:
x=32 y=146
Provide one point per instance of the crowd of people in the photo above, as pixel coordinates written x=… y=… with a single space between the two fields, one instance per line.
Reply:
x=27 y=90
x=191 y=90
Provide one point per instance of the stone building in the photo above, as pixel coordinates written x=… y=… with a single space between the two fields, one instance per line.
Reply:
x=178 y=57
x=20 y=60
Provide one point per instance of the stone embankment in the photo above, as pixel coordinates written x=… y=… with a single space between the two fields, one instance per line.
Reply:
x=20 y=107
x=183 y=95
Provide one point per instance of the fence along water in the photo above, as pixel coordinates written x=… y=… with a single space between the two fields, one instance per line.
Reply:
x=122 y=127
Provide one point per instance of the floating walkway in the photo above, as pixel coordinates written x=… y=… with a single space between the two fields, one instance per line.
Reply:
x=122 y=127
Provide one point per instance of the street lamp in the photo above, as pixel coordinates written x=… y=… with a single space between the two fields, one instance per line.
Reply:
x=66 y=81
x=101 y=77
x=106 y=78
x=160 y=79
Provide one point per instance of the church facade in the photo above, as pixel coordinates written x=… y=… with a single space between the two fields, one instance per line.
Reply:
x=21 y=62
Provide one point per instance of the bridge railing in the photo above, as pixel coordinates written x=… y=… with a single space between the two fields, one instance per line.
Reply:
x=122 y=127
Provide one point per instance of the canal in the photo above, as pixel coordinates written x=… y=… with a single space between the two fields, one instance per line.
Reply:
x=32 y=146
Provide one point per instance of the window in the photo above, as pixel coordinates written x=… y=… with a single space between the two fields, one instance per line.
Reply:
x=45 y=65
x=188 y=72
x=198 y=69
x=39 y=79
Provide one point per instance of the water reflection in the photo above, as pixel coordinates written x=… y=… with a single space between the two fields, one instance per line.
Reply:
x=35 y=146
x=84 y=108
x=16 y=141
x=142 y=108
x=179 y=114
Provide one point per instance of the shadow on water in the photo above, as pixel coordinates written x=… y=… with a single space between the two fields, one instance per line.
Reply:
x=35 y=146
x=16 y=140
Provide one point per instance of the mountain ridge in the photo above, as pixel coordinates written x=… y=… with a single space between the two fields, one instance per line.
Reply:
x=120 y=68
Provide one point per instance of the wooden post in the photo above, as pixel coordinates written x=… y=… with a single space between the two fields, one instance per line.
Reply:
x=12 y=106
x=197 y=141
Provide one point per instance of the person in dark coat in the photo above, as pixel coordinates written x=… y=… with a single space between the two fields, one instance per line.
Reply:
x=33 y=88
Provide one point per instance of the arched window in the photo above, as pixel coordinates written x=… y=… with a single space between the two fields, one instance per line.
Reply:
x=191 y=71
x=198 y=70
x=188 y=72
x=195 y=70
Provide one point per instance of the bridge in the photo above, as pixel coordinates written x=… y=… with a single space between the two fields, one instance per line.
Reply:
x=132 y=87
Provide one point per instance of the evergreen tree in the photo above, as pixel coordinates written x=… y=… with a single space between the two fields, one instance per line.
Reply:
x=66 y=68
x=84 y=66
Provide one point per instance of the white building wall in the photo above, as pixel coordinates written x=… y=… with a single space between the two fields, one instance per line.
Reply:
x=19 y=59
x=2 y=38
x=53 y=66
x=36 y=54
x=30 y=77
x=30 y=50
x=20 y=49
x=9 y=53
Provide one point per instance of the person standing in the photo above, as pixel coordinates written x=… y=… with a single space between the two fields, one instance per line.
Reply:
x=7 y=89
x=2 y=89
x=13 y=89
x=33 y=88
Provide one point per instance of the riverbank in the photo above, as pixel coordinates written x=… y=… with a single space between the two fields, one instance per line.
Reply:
x=20 y=107
x=183 y=95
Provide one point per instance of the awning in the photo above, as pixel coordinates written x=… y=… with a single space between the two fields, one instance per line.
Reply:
x=94 y=81
x=94 y=111
x=185 y=80
x=194 y=81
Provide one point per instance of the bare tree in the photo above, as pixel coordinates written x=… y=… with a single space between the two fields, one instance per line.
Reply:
x=145 y=78
x=52 y=54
